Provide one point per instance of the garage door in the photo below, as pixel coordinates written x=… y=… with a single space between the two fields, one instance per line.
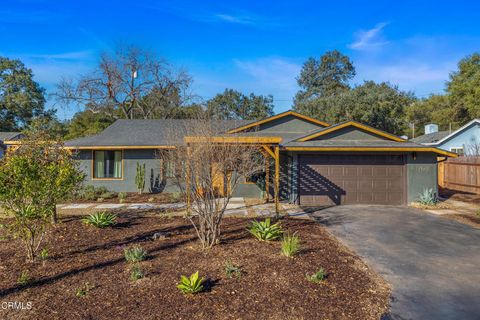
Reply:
x=351 y=179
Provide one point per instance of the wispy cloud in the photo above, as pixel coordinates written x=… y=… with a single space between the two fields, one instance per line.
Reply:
x=74 y=55
x=232 y=18
x=367 y=39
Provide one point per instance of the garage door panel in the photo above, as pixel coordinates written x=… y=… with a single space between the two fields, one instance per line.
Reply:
x=351 y=179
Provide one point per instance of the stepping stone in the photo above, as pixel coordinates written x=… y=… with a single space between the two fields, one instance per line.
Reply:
x=236 y=212
x=141 y=206
x=78 y=206
x=110 y=206
x=231 y=205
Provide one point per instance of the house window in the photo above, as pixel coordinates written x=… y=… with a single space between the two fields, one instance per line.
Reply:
x=107 y=164
x=458 y=151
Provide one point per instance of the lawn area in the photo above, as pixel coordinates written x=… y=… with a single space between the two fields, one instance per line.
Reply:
x=271 y=286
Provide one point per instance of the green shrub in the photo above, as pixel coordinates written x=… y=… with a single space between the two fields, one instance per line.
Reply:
x=108 y=195
x=265 y=231
x=175 y=196
x=24 y=278
x=290 y=245
x=122 y=196
x=318 y=276
x=101 y=219
x=232 y=270
x=88 y=193
x=101 y=189
x=136 y=272
x=428 y=197
x=135 y=254
x=192 y=284
x=83 y=290
x=43 y=255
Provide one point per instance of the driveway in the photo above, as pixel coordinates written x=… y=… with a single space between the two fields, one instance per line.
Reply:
x=432 y=263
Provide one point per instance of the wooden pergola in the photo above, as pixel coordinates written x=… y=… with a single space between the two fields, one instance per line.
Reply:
x=268 y=147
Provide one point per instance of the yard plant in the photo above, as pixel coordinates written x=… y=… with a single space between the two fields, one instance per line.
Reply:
x=33 y=178
x=191 y=285
x=232 y=270
x=265 y=230
x=290 y=245
x=318 y=276
x=134 y=254
x=428 y=197
x=140 y=178
x=101 y=219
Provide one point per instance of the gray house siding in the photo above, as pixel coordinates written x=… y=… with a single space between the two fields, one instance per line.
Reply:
x=421 y=173
x=288 y=124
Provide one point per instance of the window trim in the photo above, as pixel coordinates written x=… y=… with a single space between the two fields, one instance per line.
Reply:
x=458 y=148
x=93 y=166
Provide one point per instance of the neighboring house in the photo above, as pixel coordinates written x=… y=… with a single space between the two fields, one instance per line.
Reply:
x=319 y=164
x=464 y=141
x=7 y=139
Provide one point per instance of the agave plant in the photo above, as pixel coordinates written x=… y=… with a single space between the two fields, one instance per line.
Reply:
x=265 y=231
x=135 y=254
x=101 y=219
x=428 y=197
x=192 y=284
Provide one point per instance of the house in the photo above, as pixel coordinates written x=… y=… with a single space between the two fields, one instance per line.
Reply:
x=7 y=139
x=317 y=163
x=464 y=141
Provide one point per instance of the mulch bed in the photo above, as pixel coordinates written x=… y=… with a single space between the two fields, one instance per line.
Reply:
x=272 y=287
x=133 y=197
x=470 y=219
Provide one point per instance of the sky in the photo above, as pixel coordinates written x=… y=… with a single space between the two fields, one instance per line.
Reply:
x=250 y=46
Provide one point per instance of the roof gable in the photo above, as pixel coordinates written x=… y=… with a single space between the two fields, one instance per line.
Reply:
x=471 y=124
x=284 y=122
x=349 y=130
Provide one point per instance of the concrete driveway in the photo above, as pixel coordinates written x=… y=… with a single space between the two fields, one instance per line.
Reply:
x=432 y=264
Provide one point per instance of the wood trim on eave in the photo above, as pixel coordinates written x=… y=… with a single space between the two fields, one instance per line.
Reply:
x=117 y=147
x=278 y=116
x=234 y=139
x=373 y=149
x=354 y=124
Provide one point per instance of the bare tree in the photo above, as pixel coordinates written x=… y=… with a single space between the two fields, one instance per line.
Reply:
x=131 y=83
x=208 y=168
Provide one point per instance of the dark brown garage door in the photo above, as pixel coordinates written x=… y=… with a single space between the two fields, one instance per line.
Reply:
x=351 y=179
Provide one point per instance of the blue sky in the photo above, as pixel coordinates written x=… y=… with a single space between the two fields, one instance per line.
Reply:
x=251 y=46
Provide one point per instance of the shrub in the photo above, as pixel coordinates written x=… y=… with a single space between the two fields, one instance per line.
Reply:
x=24 y=278
x=101 y=219
x=232 y=270
x=108 y=195
x=192 y=284
x=136 y=272
x=428 y=197
x=43 y=254
x=88 y=193
x=290 y=245
x=83 y=290
x=122 y=196
x=135 y=254
x=265 y=231
x=318 y=276
x=175 y=196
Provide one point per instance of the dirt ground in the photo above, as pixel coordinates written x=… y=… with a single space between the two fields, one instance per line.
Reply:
x=271 y=287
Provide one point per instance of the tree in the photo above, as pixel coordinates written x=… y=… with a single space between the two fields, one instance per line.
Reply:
x=464 y=87
x=132 y=83
x=21 y=98
x=86 y=123
x=327 y=76
x=232 y=104
x=208 y=169
x=32 y=179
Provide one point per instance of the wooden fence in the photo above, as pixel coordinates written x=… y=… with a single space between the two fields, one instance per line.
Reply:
x=462 y=174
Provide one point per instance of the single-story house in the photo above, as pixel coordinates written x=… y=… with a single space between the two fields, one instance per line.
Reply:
x=7 y=139
x=318 y=163
x=464 y=141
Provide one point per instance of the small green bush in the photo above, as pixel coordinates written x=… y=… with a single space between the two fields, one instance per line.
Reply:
x=265 y=231
x=108 y=195
x=136 y=272
x=24 y=278
x=232 y=270
x=290 y=245
x=43 y=255
x=88 y=193
x=191 y=285
x=175 y=196
x=122 y=196
x=318 y=276
x=83 y=290
x=428 y=197
x=101 y=219
x=135 y=254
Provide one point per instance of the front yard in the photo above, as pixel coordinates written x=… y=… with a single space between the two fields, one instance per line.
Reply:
x=86 y=275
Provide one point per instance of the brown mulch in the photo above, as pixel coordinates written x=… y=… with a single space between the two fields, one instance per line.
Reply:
x=272 y=287
x=459 y=195
x=470 y=219
x=134 y=197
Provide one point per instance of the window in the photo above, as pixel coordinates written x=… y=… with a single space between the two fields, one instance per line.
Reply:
x=107 y=164
x=458 y=150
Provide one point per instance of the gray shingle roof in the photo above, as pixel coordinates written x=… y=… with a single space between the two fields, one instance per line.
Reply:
x=147 y=132
x=431 y=137
x=5 y=136
x=355 y=144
